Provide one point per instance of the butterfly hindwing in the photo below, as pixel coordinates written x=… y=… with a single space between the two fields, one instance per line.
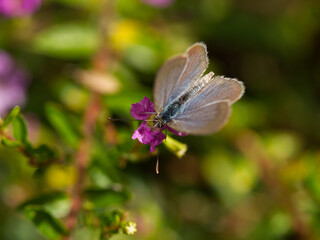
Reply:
x=202 y=121
x=207 y=111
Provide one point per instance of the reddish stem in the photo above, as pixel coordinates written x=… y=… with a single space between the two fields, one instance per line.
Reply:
x=82 y=160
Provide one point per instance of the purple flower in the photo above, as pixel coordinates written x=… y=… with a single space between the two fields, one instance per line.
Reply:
x=159 y=3
x=13 y=83
x=146 y=134
x=16 y=8
x=143 y=109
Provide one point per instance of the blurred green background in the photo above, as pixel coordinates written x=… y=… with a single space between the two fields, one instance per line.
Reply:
x=256 y=179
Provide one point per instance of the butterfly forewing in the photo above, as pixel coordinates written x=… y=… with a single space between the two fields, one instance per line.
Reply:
x=166 y=80
x=178 y=74
x=197 y=63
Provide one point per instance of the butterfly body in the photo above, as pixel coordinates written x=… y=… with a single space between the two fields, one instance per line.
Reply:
x=189 y=102
x=173 y=109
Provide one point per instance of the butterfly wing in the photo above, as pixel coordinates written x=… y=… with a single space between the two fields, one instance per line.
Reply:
x=202 y=121
x=178 y=73
x=166 y=80
x=208 y=110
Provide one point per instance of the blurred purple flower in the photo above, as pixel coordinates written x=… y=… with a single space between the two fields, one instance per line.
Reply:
x=13 y=83
x=144 y=110
x=159 y=3
x=16 y=8
x=146 y=135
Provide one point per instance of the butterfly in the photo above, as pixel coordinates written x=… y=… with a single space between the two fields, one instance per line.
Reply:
x=190 y=102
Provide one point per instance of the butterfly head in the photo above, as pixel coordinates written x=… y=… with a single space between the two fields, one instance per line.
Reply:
x=158 y=122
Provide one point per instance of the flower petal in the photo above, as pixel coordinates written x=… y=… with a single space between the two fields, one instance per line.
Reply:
x=143 y=133
x=143 y=109
x=11 y=8
x=146 y=135
x=157 y=138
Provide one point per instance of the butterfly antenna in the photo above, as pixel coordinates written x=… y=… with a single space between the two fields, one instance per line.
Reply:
x=121 y=119
x=126 y=119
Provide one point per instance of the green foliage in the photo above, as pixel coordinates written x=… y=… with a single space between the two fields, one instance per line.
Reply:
x=45 y=223
x=85 y=233
x=61 y=122
x=43 y=199
x=67 y=41
x=76 y=175
x=20 y=129
x=106 y=197
x=42 y=153
x=79 y=3
x=10 y=143
x=10 y=117
x=111 y=221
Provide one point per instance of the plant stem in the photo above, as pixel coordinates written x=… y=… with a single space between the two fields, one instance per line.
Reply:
x=82 y=158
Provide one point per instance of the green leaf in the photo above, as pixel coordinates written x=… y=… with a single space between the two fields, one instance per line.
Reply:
x=112 y=218
x=68 y=41
x=20 y=129
x=11 y=116
x=107 y=197
x=42 y=153
x=10 y=143
x=49 y=226
x=44 y=199
x=55 y=203
x=63 y=126
x=111 y=222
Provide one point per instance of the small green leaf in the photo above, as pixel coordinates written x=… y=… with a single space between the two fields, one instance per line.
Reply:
x=10 y=143
x=112 y=218
x=55 y=203
x=20 y=130
x=111 y=221
x=107 y=197
x=176 y=147
x=44 y=199
x=68 y=41
x=63 y=126
x=11 y=116
x=49 y=226
x=42 y=153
